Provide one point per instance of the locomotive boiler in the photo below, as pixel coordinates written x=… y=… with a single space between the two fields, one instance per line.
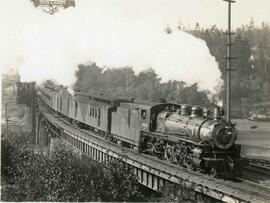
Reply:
x=194 y=125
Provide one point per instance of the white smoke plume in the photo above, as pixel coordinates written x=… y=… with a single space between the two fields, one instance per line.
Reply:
x=43 y=46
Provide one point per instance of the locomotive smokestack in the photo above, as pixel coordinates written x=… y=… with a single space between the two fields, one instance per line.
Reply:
x=217 y=113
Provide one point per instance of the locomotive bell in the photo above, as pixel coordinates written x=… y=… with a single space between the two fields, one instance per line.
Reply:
x=185 y=110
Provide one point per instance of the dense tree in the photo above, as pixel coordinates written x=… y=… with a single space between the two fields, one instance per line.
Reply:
x=119 y=183
x=30 y=176
x=88 y=76
x=251 y=77
x=146 y=86
x=241 y=51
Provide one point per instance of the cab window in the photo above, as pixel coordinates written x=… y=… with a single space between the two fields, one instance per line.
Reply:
x=143 y=114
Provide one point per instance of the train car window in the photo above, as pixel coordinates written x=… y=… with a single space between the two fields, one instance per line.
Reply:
x=129 y=112
x=143 y=114
x=76 y=108
x=68 y=107
x=95 y=113
x=60 y=104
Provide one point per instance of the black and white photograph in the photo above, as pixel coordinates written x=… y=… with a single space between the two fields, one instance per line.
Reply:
x=135 y=101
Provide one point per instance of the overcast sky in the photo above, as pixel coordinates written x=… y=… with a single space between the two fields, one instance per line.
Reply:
x=117 y=33
x=206 y=12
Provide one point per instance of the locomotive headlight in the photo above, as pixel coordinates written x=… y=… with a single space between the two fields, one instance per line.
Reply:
x=231 y=165
x=224 y=136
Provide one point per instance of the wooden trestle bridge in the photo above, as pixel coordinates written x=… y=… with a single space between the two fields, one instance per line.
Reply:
x=152 y=172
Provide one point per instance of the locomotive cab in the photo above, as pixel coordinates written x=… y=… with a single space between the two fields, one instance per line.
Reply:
x=151 y=114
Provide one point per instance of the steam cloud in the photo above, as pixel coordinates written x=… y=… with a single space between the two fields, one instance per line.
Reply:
x=43 y=46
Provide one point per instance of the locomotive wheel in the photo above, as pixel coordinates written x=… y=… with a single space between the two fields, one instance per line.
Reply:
x=188 y=163
x=170 y=154
x=213 y=172
x=167 y=154
x=171 y=158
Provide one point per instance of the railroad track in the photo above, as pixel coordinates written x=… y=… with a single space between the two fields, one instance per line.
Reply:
x=257 y=172
x=261 y=163
x=260 y=169
x=240 y=190
x=260 y=190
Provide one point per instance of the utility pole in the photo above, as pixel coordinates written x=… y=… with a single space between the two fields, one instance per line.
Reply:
x=228 y=59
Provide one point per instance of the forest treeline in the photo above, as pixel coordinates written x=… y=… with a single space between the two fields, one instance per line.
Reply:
x=146 y=86
x=250 y=78
x=251 y=63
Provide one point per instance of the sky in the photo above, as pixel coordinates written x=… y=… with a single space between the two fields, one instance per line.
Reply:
x=117 y=33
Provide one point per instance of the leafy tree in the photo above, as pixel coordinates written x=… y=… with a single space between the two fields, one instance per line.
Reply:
x=123 y=83
x=37 y=177
x=88 y=76
x=119 y=183
x=6 y=151
x=50 y=83
x=241 y=51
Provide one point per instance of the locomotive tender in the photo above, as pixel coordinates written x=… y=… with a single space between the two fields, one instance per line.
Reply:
x=181 y=134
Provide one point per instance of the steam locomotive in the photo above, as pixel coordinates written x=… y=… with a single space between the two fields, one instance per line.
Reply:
x=192 y=137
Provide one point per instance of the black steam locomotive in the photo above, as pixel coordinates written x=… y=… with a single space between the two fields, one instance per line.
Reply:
x=184 y=135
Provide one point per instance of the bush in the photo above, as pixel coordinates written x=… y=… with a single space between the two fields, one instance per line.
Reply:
x=36 y=177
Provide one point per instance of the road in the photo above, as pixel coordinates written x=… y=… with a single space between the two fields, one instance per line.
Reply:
x=254 y=136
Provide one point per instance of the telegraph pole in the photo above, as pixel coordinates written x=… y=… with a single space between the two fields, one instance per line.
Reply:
x=228 y=59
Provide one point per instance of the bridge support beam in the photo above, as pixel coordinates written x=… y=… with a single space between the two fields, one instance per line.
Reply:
x=42 y=135
x=53 y=144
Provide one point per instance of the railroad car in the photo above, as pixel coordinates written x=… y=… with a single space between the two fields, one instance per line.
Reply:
x=45 y=94
x=71 y=109
x=62 y=101
x=94 y=109
x=189 y=136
